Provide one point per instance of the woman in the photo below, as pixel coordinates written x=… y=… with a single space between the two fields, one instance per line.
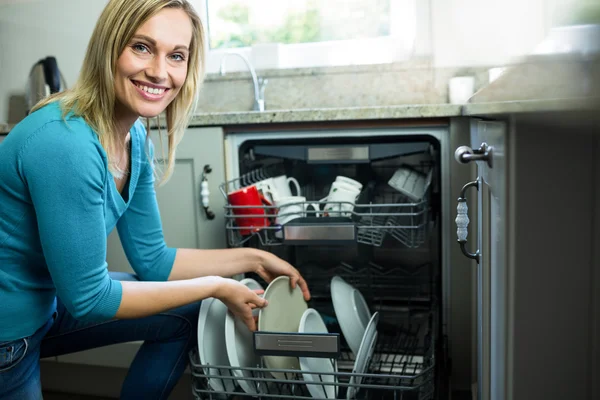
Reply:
x=81 y=164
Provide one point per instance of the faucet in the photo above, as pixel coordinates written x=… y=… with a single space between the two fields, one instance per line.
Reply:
x=259 y=83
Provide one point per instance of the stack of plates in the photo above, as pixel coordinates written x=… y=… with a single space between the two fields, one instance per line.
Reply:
x=224 y=339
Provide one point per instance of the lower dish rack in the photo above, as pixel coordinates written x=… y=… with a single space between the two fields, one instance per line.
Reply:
x=402 y=366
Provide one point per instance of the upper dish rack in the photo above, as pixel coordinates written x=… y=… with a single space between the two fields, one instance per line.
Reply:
x=380 y=213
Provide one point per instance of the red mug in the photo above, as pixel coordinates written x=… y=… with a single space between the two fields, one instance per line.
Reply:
x=247 y=217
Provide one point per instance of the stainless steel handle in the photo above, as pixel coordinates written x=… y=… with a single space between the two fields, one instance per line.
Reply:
x=465 y=154
x=462 y=220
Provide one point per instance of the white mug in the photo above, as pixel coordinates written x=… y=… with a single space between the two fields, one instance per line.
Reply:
x=290 y=208
x=341 y=199
x=293 y=207
x=281 y=186
x=278 y=187
x=349 y=181
x=264 y=187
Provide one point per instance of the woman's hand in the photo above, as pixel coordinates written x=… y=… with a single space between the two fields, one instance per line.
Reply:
x=272 y=266
x=240 y=300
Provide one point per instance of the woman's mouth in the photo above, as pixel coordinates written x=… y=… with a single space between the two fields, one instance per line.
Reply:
x=151 y=93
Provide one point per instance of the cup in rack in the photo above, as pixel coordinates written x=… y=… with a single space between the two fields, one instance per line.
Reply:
x=292 y=207
x=341 y=199
x=249 y=207
x=349 y=181
x=279 y=187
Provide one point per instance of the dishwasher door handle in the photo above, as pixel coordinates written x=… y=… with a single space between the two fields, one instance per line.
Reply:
x=462 y=220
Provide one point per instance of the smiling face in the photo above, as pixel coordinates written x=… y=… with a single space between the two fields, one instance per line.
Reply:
x=153 y=66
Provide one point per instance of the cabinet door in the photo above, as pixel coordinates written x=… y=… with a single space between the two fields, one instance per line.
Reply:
x=185 y=222
x=486 y=148
x=492 y=267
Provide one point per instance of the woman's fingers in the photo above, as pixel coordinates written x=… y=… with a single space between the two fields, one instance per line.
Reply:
x=304 y=287
x=249 y=320
x=297 y=280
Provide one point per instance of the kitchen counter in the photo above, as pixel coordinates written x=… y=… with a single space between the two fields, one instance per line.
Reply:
x=530 y=106
x=327 y=114
x=387 y=112
x=317 y=114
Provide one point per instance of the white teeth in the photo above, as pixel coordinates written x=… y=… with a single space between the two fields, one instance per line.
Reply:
x=150 y=90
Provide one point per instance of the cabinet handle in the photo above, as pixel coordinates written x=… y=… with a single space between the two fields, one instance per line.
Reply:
x=204 y=192
x=462 y=220
x=465 y=154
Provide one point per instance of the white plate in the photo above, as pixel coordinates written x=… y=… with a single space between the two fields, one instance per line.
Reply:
x=351 y=311
x=239 y=344
x=311 y=322
x=211 y=343
x=367 y=346
x=282 y=314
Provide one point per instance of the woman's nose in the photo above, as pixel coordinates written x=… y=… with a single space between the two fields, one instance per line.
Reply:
x=157 y=70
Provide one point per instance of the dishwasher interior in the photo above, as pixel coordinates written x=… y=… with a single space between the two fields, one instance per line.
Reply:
x=385 y=243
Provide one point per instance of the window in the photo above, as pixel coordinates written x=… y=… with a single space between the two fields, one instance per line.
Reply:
x=309 y=33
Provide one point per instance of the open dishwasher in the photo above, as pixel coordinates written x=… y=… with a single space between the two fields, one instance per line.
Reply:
x=381 y=238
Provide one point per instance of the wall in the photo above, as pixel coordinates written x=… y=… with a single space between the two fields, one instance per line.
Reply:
x=486 y=32
x=31 y=30
x=412 y=82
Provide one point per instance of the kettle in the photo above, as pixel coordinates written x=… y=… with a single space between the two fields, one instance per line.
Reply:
x=44 y=80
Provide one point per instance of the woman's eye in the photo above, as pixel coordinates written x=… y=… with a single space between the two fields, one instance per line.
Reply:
x=140 y=48
x=178 y=57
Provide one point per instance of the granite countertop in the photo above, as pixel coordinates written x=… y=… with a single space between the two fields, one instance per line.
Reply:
x=327 y=114
x=530 y=106
x=386 y=112
x=318 y=114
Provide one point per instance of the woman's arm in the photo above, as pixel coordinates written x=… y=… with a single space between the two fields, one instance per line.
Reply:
x=141 y=299
x=140 y=231
x=193 y=263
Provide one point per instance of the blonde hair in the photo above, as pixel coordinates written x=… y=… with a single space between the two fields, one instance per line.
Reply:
x=93 y=95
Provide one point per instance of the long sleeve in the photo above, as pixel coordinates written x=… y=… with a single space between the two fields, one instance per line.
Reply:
x=140 y=228
x=64 y=169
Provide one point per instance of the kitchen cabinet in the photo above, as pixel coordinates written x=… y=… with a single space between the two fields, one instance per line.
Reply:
x=538 y=225
x=185 y=222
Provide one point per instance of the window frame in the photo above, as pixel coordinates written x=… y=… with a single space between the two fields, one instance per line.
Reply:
x=387 y=49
